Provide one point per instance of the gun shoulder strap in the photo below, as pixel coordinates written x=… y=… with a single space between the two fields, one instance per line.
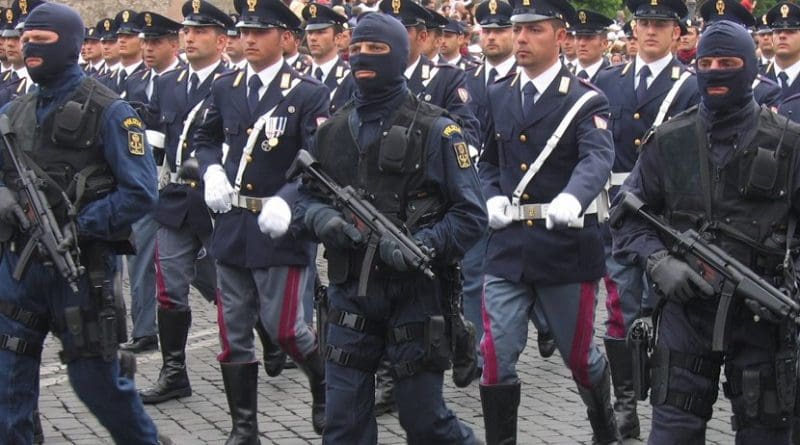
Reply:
x=550 y=146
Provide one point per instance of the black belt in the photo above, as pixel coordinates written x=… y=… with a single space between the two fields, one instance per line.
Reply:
x=27 y=318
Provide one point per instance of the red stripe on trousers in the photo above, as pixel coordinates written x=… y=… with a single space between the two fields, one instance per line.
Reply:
x=161 y=289
x=287 y=336
x=489 y=376
x=582 y=340
x=616 y=322
x=225 y=353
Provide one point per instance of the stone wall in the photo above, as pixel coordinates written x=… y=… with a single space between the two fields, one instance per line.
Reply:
x=94 y=10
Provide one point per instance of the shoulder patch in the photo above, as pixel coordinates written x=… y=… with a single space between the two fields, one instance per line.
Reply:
x=600 y=122
x=136 y=143
x=462 y=155
x=451 y=130
x=132 y=122
x=463 y=94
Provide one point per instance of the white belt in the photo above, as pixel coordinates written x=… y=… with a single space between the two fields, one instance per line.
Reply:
x=248 y=202
x=618 y=178
x=527 y=212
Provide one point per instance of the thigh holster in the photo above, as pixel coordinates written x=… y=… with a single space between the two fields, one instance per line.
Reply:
x=358 y=323
x=28 y=319
x=699 y=404
x=432 y=333
x=762 y=401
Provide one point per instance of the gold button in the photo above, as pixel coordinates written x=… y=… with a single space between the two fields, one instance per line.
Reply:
x=523 y=138
x=525 y=196
x=636 y=116
x=529 y=223
x=523 y=167
x=185 y=144
x=249 y=159
x=249 y=186
x=249 y=130
x=637 y=142
x=193 y=184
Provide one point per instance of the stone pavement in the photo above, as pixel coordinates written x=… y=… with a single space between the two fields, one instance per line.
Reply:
x=551 y=410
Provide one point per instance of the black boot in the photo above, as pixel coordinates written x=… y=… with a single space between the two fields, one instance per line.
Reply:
x=621 y=364
x=384 y=389
x=500 y=403
x=173 y=382
x=274 y=357
x=601 y=415
x=314 y=369
x=241 y=381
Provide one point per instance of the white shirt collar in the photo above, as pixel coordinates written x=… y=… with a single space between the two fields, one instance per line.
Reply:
x=115 y=66
x=290 y=60
x=326 y=67
x=22 y=72
x=655 y=67
x=131 y=68
x=243 y=64
x=453 y=62
x=412 y=67
x=591 y=70
x=266 y=75
x=168 y=69
x=791 y=71
x=205 y=72
x=542 y=81
x=503 y=68
x=98 y=66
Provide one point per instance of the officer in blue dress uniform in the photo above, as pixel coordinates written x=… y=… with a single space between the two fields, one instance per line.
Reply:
x=129 y=43
x=453 y=37
x=42 y=300
x=546 y=247
x=763 y=36
x=699 y=171
x=765 y=90
x=155 y=31
x=654 y=83
x=327 y=25
x=401 y=313
x=264 y=114
x=784 y=19
x=92 y=52
x=19 y=82
x=590 y=43
x=183 y=224
x=106 y=30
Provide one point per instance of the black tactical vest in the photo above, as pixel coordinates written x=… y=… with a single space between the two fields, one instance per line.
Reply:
x=749 y=205
x=67 y=145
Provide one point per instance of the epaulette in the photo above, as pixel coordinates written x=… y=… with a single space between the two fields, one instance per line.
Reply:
x=764 y=79
x=509 y=75
x=587 y=84
x=478 y=70
x=625 y=69
x=181 y=75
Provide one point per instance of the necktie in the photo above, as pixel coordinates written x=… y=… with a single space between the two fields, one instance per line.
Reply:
x=492 y=75
x=784 y=80
x=528 y=95
x=583 y=75
x=318 y=73
x=122 y=76
x=194 y=81
x=644 y=73
x=252 y=96
x=571 y=67
x=151 y=86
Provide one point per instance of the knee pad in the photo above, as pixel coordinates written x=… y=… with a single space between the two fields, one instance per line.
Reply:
x=663 y=391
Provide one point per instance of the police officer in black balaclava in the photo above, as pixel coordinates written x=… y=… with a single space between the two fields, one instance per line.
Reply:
x=403 y=154
x=731 y=170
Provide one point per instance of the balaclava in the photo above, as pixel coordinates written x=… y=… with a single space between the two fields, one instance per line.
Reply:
x=725 y=38
x=389 y=68
x=56 y=57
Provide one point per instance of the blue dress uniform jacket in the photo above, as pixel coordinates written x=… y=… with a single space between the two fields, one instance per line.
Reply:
x=237 y=240
x=766 y=91
x=631 y=120
x=603 y=65
x=579 y=165
x=111 y=80
x=341 y=84
x=13 y=89
x=170 y=105
x=476 y=84
x=136 y=84
x=445 y=86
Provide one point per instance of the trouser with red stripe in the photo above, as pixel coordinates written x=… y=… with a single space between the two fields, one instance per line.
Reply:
x=628 y=296
x=182 y=260
x=568 y=310
x=275 y=294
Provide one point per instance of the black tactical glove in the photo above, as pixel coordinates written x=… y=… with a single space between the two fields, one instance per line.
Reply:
x=11 y=213
x=392 y=256
x=675 y=279
x=329 y=226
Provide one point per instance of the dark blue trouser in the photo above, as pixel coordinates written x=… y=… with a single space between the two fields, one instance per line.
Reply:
x=688 y=329
x=351 y=392
x=111 y=398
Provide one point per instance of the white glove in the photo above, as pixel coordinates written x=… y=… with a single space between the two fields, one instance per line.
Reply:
x=275 y=217
x=218 y=191
x=562 y=211
x=495 y=208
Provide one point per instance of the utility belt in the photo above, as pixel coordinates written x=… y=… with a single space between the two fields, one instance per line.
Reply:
x=250 y=203
x=532 y=212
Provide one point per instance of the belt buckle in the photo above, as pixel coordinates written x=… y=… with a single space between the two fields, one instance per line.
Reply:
x=252 y=204
x=530 y=212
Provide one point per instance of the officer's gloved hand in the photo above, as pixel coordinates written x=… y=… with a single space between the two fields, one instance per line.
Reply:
x=675 y=279
x=329 y=226
x=275 y=217
x=11 y=212
x=218 y=191
x=392 y=256
x=563 y=210
x=495 y=208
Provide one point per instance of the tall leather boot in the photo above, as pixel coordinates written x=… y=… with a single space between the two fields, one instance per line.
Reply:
x=173 y=382
x=384 y=389
x=274 y=357
x=601 y=415
x=314 y=369
x=500 y=403
x=241 y=382
x=621 y=363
